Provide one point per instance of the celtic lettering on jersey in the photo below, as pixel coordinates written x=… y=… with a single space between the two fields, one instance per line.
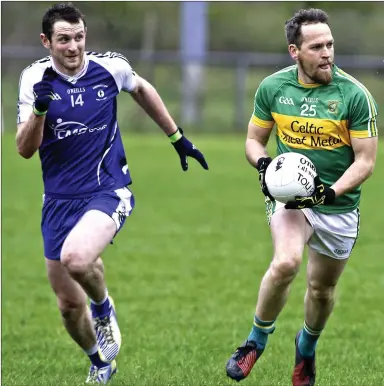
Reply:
x=308 y=134
x=307 y=128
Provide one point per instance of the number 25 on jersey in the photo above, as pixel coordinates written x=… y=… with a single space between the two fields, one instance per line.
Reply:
x=308 y=110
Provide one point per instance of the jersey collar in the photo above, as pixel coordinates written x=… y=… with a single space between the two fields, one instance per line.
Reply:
x=308 y=85
x=74 y=78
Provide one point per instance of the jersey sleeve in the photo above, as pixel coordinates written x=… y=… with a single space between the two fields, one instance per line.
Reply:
x=25 y=98
x=363 y=115
x=262 y=110
x=124 y=75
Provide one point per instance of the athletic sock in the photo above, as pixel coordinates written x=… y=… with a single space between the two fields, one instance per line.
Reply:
x=308 y=340
x=102 y=307
x=260 y=331
x=94 y=357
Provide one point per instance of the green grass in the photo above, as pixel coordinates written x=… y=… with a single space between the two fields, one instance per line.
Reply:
x=184 y=273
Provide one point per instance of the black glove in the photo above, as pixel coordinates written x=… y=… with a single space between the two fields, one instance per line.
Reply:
x=43 y=92
x=322 y=195
x=261 y=166
x=185 y=149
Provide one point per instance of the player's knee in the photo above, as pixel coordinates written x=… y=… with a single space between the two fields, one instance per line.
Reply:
x=319 y=292
x=70 y=309
x=285 y=268
x=76 y=263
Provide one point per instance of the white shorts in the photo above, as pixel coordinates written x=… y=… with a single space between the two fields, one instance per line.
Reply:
x=333 y=235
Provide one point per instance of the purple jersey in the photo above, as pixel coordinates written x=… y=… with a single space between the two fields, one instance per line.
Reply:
x=82 y=152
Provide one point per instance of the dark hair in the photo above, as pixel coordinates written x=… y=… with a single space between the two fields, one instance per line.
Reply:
x=61 y=11
x=303 y=17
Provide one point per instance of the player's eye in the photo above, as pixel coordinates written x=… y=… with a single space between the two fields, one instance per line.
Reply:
x=330 y=45
x=79 y=38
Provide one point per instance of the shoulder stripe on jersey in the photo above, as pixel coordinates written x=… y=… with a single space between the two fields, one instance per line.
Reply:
x=354 y=80
x=372 y=125
x=108 y=54
x=287 y=69
x=43 y=60
x=290 y=68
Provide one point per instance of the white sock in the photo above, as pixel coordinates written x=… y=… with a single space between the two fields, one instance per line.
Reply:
x=103 y=301
x=92 y=350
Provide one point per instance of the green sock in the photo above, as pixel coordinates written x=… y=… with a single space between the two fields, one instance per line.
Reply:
x=260 y=331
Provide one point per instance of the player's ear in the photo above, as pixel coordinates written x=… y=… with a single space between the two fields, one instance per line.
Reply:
x=45 y=41
x=293 y=51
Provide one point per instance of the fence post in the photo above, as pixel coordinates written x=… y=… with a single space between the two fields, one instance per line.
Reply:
x=240 y=94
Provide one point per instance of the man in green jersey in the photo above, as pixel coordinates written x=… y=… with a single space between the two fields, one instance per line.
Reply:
x=326 y=114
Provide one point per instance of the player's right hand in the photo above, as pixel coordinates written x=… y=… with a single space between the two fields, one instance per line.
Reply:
x=186 y=149
x=261 y=167
x=43 y=92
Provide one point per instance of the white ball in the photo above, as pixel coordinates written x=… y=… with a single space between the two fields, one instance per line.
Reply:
x=290 y=175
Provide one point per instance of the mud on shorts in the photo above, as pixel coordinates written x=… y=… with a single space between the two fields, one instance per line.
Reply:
x=333 y=235
x=59 y=216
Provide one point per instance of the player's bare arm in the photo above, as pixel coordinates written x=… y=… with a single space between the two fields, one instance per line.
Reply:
x=148 y=98
x=30 y=135
x=256 y=142
x=365 y=150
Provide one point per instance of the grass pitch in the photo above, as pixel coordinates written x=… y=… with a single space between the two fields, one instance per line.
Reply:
x=184 y=273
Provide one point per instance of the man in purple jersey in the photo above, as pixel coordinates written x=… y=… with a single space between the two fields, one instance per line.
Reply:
x=67 y=110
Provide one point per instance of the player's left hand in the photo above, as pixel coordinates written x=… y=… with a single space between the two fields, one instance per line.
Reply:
x=322 y=195
x=186 y=149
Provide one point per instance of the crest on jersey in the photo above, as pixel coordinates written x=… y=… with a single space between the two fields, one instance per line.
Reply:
x=333 y=107
x=101 y=90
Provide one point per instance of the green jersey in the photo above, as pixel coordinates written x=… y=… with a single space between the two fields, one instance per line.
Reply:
x=318 y=121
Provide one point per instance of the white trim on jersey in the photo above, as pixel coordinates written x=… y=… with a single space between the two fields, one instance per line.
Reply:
x=32 y=74
x=371 y=105
x=73 y=79
x=104 y=155
x=118 y=66
x=287 y=69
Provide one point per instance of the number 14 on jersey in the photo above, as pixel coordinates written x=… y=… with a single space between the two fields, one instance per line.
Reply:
x=78 y=101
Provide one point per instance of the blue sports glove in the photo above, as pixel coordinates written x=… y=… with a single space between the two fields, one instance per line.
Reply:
x=322 y=195
x=43 y=92
x=262 y=164
x=186 y=149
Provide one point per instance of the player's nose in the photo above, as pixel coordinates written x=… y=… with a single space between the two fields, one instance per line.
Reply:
x=72 y=46
x=326 y=53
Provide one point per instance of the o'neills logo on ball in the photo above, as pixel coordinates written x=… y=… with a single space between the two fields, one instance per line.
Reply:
x=305 y=162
